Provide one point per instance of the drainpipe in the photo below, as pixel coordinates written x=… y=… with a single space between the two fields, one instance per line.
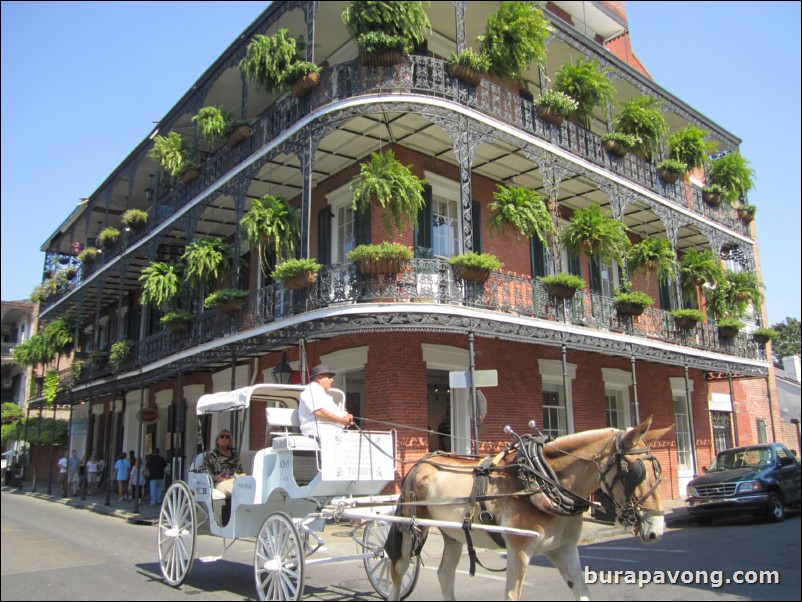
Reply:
x=771 y=409
x=734 y=414
x=635 y=389
x=563 y=350
x=691 y=429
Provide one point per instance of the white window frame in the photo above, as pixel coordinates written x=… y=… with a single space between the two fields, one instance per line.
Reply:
x=340 y=199
x=551 y=373
x=617 y=384
x=682 y=430
x=450 y=191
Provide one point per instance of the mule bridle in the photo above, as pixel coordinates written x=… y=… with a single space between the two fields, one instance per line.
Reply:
x=630 y=476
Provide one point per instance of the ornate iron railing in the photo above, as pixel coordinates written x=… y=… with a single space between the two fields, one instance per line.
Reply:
x=426 y=281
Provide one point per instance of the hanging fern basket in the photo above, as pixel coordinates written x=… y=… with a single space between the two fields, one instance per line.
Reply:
x=472 y=274
x=465 y=74
x=303 y=86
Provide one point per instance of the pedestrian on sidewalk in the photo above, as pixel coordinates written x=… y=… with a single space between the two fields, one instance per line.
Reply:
x=137 y=481
x=91 y=475
x=122 y=472
x=73 y=469
x=62 y=472
x=155 y=465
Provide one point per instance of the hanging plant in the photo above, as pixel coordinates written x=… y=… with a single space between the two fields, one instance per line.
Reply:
x=654 y=255
x=50 y=386
x=135 y=218
x=386 y=27
x=601 y=238
x=699 y=267
x=522 y=209
x=119 y=352
x=161 y=283
x=274 y=224
x=587 y=83
x=207 y=260
x=172 y=153
x=468 y=66
x=690 y=146
x=733 y=173
x=384 y=181
x=213 y=123
x=515 y=38
x=641 y=116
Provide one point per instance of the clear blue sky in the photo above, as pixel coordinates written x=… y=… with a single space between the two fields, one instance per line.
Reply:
x=82 y=84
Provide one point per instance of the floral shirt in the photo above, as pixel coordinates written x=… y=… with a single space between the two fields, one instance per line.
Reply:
x=218 y=464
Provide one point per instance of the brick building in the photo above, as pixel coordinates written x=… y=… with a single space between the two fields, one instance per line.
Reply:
x=570 y=365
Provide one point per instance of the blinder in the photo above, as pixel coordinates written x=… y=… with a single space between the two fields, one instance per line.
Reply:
x=631 y=475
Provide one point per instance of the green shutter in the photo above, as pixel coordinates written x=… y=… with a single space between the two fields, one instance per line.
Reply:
x=538 y=257
x=362 y=227
x=424 y=230
x=476 y=224
x=324 y=236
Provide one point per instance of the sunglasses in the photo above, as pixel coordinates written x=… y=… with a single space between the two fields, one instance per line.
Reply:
x=224 y=437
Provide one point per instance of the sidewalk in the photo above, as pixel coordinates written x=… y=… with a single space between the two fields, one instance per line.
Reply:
x=593 y=530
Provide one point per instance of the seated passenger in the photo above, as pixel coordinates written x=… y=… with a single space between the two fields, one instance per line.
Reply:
x=223 y=464
x=317 y=411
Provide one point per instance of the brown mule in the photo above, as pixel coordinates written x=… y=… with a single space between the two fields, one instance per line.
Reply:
x=619 y=462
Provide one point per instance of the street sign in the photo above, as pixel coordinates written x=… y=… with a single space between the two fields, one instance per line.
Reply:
x=462 y=380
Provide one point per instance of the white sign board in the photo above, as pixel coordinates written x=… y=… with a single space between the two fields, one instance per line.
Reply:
x=357 y=456
x=462 y=380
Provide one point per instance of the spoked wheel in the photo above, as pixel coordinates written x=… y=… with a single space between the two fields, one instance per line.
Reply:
x=378 y=567
x=278 y=561
x=177 y=525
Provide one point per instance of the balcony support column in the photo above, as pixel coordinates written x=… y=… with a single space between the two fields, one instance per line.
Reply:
x=460 y=8
x=239 y=208
x=137 y=492
x=38 y=447
x=734 y=413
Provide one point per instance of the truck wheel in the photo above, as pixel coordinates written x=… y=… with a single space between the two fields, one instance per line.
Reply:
x=775 y=511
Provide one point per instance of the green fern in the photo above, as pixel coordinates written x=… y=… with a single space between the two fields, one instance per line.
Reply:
x=515 y=38
x=654 y=255
x=522 y=209
x=689 y=145
x=641 y=117
x=161 y=283
x=602 y=238
x=588 y=84
x=386 y=182
x=207 y=260
x=274 y=224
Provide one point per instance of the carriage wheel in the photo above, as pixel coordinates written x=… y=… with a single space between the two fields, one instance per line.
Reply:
x=378 y=567
x=278 y=561
x=177 y=525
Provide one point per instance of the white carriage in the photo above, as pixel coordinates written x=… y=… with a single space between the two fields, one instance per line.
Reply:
x=289 y=490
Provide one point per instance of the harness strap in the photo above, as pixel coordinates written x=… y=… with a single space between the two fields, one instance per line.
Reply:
x=480 y=480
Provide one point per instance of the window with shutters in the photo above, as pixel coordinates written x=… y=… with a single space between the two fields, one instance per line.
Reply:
x=446 y=239
x=343 y=224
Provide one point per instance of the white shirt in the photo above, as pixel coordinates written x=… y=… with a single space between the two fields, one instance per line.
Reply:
x=314 y=398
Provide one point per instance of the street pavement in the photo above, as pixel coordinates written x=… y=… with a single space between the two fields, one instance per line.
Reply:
x=592 y=530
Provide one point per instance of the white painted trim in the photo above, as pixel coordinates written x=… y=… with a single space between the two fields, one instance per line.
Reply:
x=444 y=357
x=346 y=360
x=720 y=402
x=164 y=398
x=678 y=384
x=221 y=380
x=551 y=372
x=618 y=379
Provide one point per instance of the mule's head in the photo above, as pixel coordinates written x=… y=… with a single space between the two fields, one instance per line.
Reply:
x=631 y=476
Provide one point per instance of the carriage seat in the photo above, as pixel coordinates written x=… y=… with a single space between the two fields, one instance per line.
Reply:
x=246 y=458
x=288 y=439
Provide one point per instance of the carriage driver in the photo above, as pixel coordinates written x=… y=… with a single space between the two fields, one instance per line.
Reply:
x=317 y=410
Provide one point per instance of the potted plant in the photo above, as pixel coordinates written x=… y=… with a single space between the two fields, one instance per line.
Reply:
x=746 y=212
x=297 y=274
x=743 y=288
x=728 y=328
x=468 y=66
x=641 y=117
x=178 y=320
x=108 y=237
x=384 y=258
x=686 y=319
x=629 y=302
x=135 y=218
x=161 y=283
x=119 y=352
x=554 y=107
x=475 y=267
x=212 y=123
x=563 y=285
x=384 y=181
x=174 y=156
x=237 y=132
x=763 y=335
x=71 y=272
x=670 y=170
x=273 y=224
x=228 y=300
x=600 y=237
x=88 y=255
x=689 y=145
x=712 y=195
x=619 y=144
x=385 y=31
x=733 y=173
x=515 y=37
x=653 y=255
x=302 y=77
x=521 y=209
x=586 y=82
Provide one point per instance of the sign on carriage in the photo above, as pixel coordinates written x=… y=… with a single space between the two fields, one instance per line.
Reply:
x=462 y=380
x=357 y=456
